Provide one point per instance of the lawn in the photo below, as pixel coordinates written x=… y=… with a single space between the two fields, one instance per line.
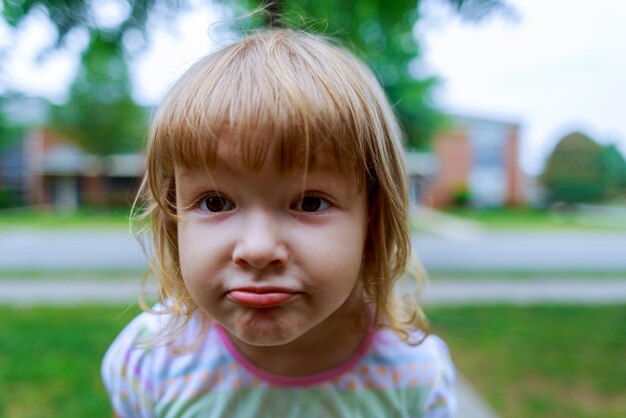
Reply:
x=77 y=274
x=118 y=217
x=50 y=360
x=534 y=219
x=541 y=361
x=514 y=218
x=529 y=274
x=506 y=219
x=83 y=218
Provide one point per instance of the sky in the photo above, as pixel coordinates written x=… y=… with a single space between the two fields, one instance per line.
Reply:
x=556 y=67
x=559 y=66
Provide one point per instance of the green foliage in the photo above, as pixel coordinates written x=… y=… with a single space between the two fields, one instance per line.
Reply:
x=614 y=171
x=576 y=170
x=70 y=15
x=100 y=115
x=461 y=195
x=10 y=133
x=381 y=33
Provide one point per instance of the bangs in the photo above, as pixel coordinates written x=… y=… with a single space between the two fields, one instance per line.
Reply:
x=269 y=95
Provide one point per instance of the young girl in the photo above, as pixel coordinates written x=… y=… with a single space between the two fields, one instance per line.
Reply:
x=278 y=208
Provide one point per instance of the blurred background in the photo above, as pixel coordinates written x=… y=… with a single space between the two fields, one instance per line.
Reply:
x=515 y=144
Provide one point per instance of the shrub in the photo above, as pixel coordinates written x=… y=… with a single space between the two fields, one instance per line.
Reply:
x=581 y=170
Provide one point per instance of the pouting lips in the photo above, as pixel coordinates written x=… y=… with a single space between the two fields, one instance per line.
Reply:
x=261 y=299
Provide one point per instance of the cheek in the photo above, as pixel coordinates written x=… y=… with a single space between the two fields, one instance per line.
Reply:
x=197 y=269
x=198 y=253
x=186 y=253
x=340 y=252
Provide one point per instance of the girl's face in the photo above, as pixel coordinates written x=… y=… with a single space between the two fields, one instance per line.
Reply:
x=272 y=257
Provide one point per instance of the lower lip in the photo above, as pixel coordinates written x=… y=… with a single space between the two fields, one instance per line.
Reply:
x=260 y=300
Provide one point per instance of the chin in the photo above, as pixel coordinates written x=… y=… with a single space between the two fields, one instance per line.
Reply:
x=265 y=335
x=266 y=342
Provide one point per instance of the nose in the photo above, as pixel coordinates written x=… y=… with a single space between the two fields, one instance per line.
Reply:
x=260 y=244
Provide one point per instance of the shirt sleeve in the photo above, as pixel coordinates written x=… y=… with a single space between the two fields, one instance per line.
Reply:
x=442 y=400
x=126 y=371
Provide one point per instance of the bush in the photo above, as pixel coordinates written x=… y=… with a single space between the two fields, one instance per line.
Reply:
x=9 y=198
x=614 y=172
x=461 y=195
x=581 y=170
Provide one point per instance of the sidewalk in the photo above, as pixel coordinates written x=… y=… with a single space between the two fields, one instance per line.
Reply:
x=437 y=292
x=587 y=291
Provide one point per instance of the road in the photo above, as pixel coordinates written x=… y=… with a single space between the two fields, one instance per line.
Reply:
x=517 y=250
x=29 y=249
x=26 y=249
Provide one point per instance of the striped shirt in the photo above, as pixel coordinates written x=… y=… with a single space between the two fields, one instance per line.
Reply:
x=384 y=378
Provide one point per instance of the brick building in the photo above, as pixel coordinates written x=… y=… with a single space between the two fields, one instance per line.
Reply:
x=61 y=175
x=477 y=164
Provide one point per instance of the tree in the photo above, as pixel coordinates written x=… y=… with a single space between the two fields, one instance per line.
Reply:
x=614 y=171
x=71 y=15
x=100 y=115
x=379 y=31
x=10 y=132
x=9 y=135
x=575 y=172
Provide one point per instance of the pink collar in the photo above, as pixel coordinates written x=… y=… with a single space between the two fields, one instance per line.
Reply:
x=299 y=381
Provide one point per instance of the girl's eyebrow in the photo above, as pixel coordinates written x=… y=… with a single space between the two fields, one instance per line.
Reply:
x=189 y=182
x=186 y=175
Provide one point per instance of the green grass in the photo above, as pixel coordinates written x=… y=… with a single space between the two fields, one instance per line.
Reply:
x=83 y=218
x=72 y=274
x=525 y=274
x=510 y=217
x=50 y=360
x=541 y=361
x=523 y=218
x=534 y=219
x=138 y=274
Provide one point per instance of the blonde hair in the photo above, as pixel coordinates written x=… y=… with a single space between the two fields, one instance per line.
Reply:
x=305 y=95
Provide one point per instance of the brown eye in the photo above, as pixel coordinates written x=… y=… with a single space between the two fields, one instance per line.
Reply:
x=311 y=204
x=216 y=203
